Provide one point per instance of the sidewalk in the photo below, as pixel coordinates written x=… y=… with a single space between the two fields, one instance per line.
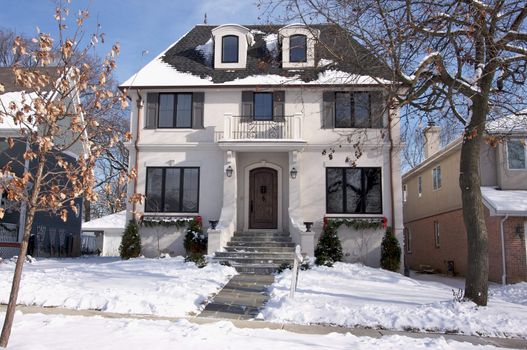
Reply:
x=295 y=328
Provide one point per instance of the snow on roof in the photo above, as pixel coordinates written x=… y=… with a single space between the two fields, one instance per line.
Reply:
x=207 y=50
x=509 y=124
x=159 y=73
x=271 y=43
x=116 y=220
x=501 y=202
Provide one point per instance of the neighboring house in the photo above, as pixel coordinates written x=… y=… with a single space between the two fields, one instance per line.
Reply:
x=435 y=235
x=231 y=123
x=50 y=235
x=103 y=235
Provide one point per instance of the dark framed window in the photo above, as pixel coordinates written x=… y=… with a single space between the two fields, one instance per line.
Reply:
x=353 y=110
x=298 y=48
x=263 y=106
x=175 y=110
x=408 y=240
x=229 y=49
x=353 y=190
x=436 y=234
x=516 y=154
x=436 y=178
x=172 y=189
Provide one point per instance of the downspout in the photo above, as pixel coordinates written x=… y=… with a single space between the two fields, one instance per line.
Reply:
x=390 y=138
x=140 y=105
x=503 y=260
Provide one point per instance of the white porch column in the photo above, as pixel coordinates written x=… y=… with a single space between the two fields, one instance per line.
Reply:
x=297 y=126
x=218 y=238
x=296 y=225
x=227 y=126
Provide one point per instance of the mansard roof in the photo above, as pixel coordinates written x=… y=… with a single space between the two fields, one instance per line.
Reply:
x=338 y=59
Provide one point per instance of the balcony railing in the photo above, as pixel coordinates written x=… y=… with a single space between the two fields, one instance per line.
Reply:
x=248 y=128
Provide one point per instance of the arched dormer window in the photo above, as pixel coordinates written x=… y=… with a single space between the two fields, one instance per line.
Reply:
x=229 y=49
x=298 y=48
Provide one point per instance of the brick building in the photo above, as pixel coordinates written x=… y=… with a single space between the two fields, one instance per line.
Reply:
x=435 y=235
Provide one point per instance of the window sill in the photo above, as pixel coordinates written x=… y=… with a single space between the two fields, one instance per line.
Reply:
x=170 y=214
x=354 y=215
x=181 y=130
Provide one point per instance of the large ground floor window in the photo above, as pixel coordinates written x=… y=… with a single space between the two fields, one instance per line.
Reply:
x=353 y=191
x=174 y=189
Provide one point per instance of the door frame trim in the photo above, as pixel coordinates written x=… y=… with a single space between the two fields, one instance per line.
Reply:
x=279 y=198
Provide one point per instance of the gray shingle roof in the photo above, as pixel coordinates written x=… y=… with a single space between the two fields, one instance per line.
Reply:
x=333 y=43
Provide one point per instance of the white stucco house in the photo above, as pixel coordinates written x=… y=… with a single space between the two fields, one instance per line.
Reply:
x=258 y=127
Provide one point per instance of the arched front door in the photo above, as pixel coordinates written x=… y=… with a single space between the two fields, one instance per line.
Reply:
x=263 y=198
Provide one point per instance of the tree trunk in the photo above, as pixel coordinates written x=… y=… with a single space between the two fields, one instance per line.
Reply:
x=87 y=210
x=10 y=313
x=11 y=306
x=476 y=284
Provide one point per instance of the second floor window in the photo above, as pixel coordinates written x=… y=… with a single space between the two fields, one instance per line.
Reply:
x=171 y=189
x=420 y=186
x=516 y=154
x=436 y=177
x=352 y=110
x=175 y=110
x=298 y=48
x=229 y=49
x=263 y=105
x=405 y=193
x=353 y=191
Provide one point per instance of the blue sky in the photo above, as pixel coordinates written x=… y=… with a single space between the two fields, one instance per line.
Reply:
x=137 y=25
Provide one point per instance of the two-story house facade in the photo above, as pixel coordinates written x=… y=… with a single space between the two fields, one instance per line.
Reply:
x=435 y=235
x=235 y=124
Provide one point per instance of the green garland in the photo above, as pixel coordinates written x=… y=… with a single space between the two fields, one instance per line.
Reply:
x=178 y=223
x=357 y=224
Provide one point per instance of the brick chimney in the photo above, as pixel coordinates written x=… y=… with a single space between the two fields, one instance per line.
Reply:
x=432 y=139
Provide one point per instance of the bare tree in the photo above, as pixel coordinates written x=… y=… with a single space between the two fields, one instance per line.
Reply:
x=465 y=59
x=54 y=122
x=114 y=160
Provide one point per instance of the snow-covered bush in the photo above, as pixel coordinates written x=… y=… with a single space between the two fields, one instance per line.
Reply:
x=195 y=242
x=390 y=251
x=131 y=242
x=329 y=247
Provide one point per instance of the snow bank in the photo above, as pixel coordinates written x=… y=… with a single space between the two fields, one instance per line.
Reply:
x=514 y=293
x=352 y=294
x=54 y=332
x=168 y=287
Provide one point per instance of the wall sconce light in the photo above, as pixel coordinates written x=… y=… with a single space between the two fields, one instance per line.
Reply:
x=519 y=230
x=293 y=173
x=229 y=171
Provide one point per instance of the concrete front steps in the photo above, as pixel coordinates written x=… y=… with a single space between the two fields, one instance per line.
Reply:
x=257 y=252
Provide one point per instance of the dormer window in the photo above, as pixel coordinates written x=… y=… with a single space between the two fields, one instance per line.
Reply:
x=231 y=43
x=230 y=49
x=298 y=48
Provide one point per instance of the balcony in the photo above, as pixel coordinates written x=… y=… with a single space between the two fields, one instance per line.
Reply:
x=280 y=133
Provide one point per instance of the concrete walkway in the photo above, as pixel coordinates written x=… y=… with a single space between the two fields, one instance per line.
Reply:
x=241 y=298
x=295 y=328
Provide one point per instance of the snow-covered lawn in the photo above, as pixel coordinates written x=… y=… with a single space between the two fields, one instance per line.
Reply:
x=167 y=287
x=43 y=332
x=352 y=294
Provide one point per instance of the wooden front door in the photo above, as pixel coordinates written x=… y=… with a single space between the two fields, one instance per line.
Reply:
x=263 y=198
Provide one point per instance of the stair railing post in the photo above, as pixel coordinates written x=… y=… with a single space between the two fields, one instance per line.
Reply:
x=296 y=266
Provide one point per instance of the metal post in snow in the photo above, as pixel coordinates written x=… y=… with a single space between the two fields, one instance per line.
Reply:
x=296 y=265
